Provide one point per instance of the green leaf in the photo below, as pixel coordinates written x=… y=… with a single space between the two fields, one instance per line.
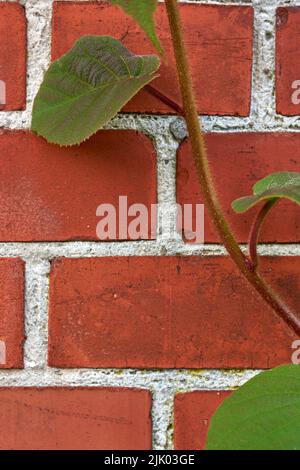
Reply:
x=84 y=89
x=143 y=12
x=264 y=414
x=275 y=186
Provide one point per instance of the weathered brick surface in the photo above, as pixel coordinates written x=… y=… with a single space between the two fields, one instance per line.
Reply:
x=288 y=61
x=237 y=162
x=219 y=39
x=74 y=419
x=12 y=56
x=51 y=193
x=11 y=313
x=197 y=313
x=140 y=312
x=192 y=414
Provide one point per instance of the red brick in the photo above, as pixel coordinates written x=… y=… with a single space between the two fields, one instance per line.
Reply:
x=13 y=55
x=11 y=313
x=238 y=161
x=196 y=312
x=219 y=39
x=192 y=414
x=52 y=193
x=74 y=419
x=287 y=59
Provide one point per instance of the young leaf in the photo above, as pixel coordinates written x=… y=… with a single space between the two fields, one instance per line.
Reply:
x=275 y=186
x=84 y=89
x=143 y=12
x=264 y=414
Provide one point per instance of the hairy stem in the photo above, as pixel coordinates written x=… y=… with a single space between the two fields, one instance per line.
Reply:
x=256 y=229
x=165 y=99
x=203 y=171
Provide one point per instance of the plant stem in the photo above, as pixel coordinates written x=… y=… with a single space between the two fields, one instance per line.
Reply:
x=203 y=171
x=165 y=99
x=256 y=229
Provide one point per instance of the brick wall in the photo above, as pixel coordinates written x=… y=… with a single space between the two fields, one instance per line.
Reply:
x=140 y=339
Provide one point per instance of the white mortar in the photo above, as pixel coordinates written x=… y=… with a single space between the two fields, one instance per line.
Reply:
x=165 y=131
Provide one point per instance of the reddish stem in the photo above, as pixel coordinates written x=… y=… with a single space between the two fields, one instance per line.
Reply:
x=256 y=229
x=205 y=179
x=165 y=99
